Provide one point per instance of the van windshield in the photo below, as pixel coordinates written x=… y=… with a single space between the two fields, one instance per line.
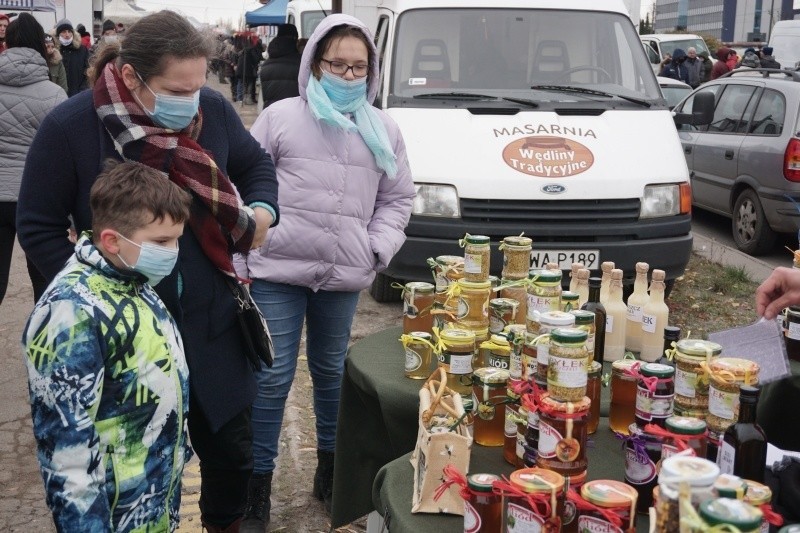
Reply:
x=668 y=47
x=518 y=52
x=310 y=20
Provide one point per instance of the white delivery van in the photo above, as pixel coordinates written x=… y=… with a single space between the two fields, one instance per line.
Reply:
x=658 y=45
x=785 y=42
x=534 y=116
x=305 y=15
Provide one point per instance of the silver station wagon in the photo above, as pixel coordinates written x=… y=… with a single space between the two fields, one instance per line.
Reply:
x=746 y=163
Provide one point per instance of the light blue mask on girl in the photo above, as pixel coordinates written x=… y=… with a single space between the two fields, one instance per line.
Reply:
x=331 y=96
x=172 y=112
x=155 y=261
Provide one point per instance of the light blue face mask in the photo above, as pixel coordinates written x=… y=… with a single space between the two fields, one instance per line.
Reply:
x=343 y=93
x=172 y=112
x=155 y=261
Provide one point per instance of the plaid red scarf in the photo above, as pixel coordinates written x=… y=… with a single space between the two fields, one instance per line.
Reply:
x=219 y=220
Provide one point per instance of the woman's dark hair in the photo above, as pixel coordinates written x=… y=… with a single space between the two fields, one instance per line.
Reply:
x=151 y=42
x=26 y=32
x=338 y=32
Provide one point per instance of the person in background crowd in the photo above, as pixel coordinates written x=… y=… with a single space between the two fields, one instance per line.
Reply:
x=4 y=20
x=236 y=81
x=120 y=28
x=247 y=68
x=54 y=63
x=721 y=67
x=675 y=68
x=218 y=63
x=705 y=71
x=108 y=35
x=149 y=104
x=346 y=195
x=767 y=59
x=694 y=67
x=75 y=57
x=86 y=37
x=733 y=60
x=750 y=59
x=279 y=72
x=26 y=96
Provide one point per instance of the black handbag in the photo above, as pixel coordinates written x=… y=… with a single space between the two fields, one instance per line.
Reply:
x=256 y=339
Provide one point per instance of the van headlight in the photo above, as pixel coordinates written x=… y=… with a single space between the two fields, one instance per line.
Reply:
x=436 y=201
x=661 y=201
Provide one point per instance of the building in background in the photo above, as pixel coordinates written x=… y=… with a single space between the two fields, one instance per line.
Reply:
x=728 y=20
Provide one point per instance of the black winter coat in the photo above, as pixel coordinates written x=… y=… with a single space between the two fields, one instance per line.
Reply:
x=76 y=62
x=279 y=72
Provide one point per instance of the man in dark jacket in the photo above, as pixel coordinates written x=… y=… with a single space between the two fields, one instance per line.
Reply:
x=279 y=73
x=767 y=59
x=247 y=69
x=75 y=57
x=675 y=68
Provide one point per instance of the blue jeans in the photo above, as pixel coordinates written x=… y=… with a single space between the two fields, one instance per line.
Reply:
x=328 y=316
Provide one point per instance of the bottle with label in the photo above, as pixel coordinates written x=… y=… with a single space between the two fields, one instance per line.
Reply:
x=637 y=301
x=672 y=334
x=655 y=315
x=743 y=450
x=582 y=287
x=573 y=276
x=616 y=322
x=594 y=305
x=606 y=267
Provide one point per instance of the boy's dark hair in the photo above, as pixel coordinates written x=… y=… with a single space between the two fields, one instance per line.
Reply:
x=128 y=196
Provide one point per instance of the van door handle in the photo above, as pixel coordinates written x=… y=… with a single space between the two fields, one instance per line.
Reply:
x=687 y=150
x=728 y=154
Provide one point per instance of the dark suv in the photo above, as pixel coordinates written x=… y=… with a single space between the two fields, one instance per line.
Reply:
x=746 y=163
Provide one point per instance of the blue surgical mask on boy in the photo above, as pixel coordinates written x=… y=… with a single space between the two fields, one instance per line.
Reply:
x=155 y=261
x=343 y=93
x=172 y=112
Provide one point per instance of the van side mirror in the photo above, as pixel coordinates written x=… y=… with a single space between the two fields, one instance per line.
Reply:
x=702 y=111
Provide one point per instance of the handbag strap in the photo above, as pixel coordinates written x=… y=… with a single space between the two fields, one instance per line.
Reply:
x=439 y=390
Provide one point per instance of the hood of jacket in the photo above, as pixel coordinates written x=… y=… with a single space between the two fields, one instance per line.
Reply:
x=87 y=253
x=327 y=24
x=55 y=58
x=282 y=47
x=678 y=53
x=722 y=53
x=22 y=66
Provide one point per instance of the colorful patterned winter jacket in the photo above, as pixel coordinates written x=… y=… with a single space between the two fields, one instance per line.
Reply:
x=109 y=397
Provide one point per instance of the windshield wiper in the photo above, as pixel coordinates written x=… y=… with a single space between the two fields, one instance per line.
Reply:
x=582 y=90
x=523 y=101
x=470 y=96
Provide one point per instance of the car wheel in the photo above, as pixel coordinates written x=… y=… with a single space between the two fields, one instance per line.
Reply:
x=751 y=231
x=382 y=290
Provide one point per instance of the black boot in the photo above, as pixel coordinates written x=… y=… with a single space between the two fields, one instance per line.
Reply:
x=256 y=513
x=323 y=479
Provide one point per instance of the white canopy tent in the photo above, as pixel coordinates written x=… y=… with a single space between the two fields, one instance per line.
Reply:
x=122 y=11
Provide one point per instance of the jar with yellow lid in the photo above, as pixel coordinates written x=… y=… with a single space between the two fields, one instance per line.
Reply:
x=489 y=395
x=563 y=435
x=567 y=370
x=516 y=257
x=502 y=313
x=499 y=350
x=456 y=350
x=622 y=412
x=473 y=304
x=544 y=292
x=418 y=297
x=528 y=496
x=476 y=257
x=760 y=496
x=725 y=375
x=690 y=354
x=419 y=351
x=610 y=499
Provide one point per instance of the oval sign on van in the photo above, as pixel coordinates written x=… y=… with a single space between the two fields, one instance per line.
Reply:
x=553 y=188
x=548 y=156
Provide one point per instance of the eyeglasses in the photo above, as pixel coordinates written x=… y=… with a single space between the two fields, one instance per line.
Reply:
x=340 y=69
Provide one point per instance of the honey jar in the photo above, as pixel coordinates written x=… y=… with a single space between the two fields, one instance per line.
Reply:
x=489 y=395
x=482 y=507
x=516 y=257
x=655 y=392
x=593 y=391
x=499 y=351
x=446 y=269
x=611 y=507
x=533 y=500
x=418 y=298
x=455 y=356
x=502 y=312
x=690 y=392
x=623 y=396
x=567 y=371
x=476 y=258
x=517 y=291
x=419 y=351
x=473 y=304
x=726 y=374
x=544 y=292
x=562 y=435
x=684 y=432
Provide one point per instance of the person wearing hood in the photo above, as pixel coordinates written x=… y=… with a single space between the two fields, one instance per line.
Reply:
x=86 y=37
x=750 y=59
x=58 y=74
x=721 y=67
x=767 y=59
x=346 y=197
x=4 y=21
x=75 y=57
x=705 y=72
x=675 y=68
x=279 y=72
x=26 y=96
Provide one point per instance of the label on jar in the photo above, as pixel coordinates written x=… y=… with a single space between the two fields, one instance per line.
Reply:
x=794 y=331
x=496 y=323
x=648 y=323
x=441 y=281
x=510 y=427
x=413 y=360
x=639 y=468
x=498 y=361
x=463 y=308
x=409 y=309
x=515 y=364
x=529 y=365
x=653 y=406
x=549 y=438
x=726 y=457
x=541 y=304
x=634 y=313
x=668 y=450
x=461 y=364
x=472 y=520
x=596 y=525
x=473 y=263
x=521 y=444
x=609 y=324
x=722 y=404
x=685 y=383
x=566 y=372
x=543 y=353
x=523 y=519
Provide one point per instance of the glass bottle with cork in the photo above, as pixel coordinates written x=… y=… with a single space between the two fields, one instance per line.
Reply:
x=636 y=302
x=655 y=315
x=616 y=319
x=743 y=450
x=599 y=311
x=582 y=287
x=605 y=267
x=573 y=276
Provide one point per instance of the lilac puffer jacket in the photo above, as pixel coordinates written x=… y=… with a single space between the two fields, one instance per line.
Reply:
x=342 y=218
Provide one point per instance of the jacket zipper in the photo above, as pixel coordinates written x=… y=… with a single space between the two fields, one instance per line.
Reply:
x=178 y=447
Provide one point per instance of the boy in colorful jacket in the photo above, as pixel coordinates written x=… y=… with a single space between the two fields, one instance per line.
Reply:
x=106 y=370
